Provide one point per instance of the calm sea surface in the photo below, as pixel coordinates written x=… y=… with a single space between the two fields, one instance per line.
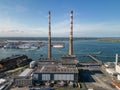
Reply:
x=81 y=48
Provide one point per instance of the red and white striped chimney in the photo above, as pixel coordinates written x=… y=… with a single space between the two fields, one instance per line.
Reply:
x=49 y=35
x=71 y=34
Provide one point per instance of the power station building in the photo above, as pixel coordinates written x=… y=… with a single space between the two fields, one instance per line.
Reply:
x=64 y=69
x=53 y=71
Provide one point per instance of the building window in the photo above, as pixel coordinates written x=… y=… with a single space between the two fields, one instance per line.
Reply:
x=45 y=76
x=64 y=77
x=35 y=76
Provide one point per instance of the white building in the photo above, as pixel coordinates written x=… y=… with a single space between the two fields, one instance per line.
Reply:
x=117 y=67
x=111 y=71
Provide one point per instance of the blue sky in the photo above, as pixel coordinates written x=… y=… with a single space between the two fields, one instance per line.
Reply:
x=28 y=18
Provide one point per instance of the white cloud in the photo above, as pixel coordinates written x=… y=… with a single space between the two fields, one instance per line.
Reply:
x=100 y=29
x=106 y=29
x=10 y=28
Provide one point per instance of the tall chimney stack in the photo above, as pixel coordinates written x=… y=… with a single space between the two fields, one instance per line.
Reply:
x=49 y=35
x=116 y=59
x=71 y=34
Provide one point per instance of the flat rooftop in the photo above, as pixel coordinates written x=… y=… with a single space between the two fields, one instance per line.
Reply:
x=47 y=60
x=68 y=57
x=56 y=69
x=69 y=61
x=47 y=63
x=26 y=72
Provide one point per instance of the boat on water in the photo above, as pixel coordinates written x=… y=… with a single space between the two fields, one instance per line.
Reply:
x=27 y=46
x=32 y=48
x=24 y=46
x=87 y=53
x=58 y=45
x=10 y=46
x=99 y=52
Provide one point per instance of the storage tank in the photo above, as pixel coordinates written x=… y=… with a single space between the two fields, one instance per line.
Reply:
x=32 y=64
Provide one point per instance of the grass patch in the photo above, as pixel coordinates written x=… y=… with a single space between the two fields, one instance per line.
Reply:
x=16 y=70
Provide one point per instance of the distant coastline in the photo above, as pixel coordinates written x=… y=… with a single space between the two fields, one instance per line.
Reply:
x=46 y=38
x=103 y=39
x=109 y=40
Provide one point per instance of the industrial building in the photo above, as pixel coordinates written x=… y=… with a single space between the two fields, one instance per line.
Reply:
x=69 y=60
x=110 y=68
x=117 y=67
x=25 y=78
x=55 y=72
x=51 y=69
x=113 y=68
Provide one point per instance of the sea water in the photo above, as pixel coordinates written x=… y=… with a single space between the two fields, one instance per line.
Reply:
x=104 y=51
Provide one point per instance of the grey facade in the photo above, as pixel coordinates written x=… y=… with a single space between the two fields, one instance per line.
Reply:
x=55 y=72
x=23 y=82
x=56 y=76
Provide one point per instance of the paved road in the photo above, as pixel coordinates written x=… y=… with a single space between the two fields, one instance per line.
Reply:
x=97 y=79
